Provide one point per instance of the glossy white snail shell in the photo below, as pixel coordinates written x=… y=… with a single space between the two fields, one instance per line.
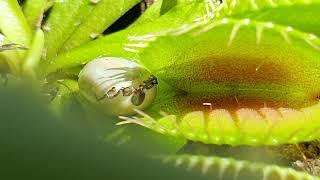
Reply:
x=111 y=74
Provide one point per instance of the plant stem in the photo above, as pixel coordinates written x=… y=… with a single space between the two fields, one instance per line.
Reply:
x=34 y=54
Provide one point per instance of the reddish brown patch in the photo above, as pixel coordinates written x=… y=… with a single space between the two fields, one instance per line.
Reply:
x=235 y=70
x=231 y=73
x=184 y=103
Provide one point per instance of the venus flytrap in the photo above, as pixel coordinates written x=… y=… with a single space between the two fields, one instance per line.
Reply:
x=259 y=78
x=209 y=68
x=199 y=14
x=226 y=168
x=226 y=72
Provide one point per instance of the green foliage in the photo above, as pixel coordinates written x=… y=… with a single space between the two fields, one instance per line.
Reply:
x=36 y=145
x=172 y=35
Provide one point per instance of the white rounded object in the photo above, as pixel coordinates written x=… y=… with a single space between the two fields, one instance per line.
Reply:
x=102 y=82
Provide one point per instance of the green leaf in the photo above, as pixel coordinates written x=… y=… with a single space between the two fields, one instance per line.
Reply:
x=13 y=23
x=33 y=11
x=102 y=16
